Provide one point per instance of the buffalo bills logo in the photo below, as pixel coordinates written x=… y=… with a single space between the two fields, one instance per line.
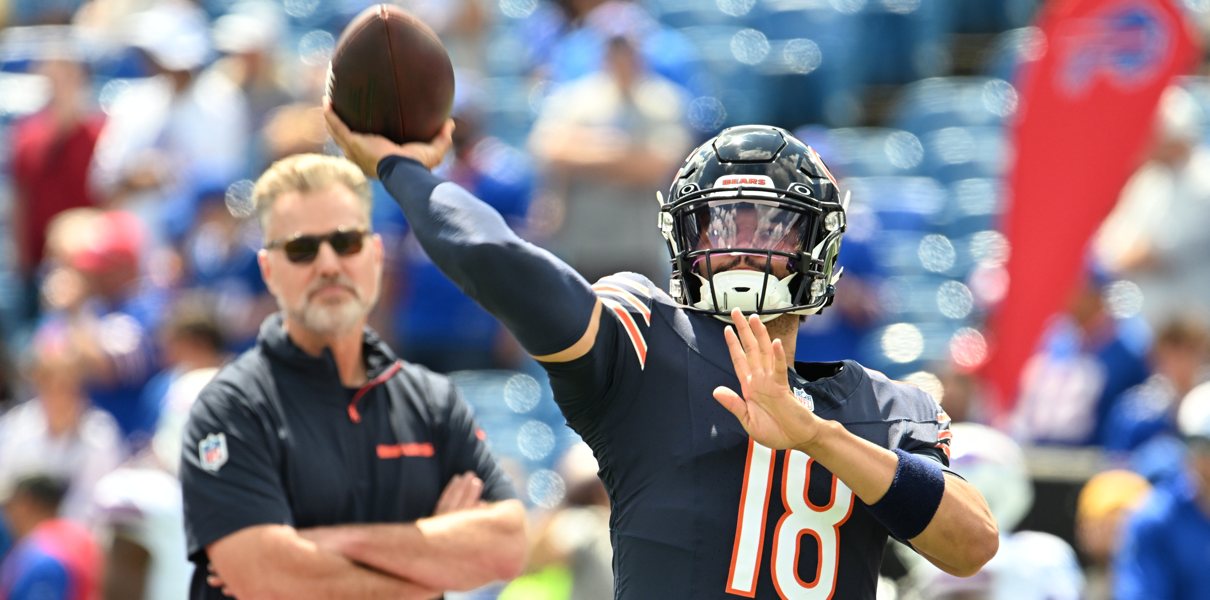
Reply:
x=1126 y=43
x=212 y=451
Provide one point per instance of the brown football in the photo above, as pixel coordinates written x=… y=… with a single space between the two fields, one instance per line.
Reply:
x=391 y=76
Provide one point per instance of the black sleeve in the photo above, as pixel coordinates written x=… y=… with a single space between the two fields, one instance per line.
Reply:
x=542 y=300
x=928 y=436
x=229 y=473
x=583 y=387
x=463 y=447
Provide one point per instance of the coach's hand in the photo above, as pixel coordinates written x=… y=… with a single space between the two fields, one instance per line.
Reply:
x=366 y=150
x=462 y=492
x=767 y=409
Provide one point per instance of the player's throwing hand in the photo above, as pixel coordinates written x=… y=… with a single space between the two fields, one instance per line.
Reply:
x=768 y=410
x=367 y=150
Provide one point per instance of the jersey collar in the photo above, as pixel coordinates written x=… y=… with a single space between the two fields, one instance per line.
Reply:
x=275 y=342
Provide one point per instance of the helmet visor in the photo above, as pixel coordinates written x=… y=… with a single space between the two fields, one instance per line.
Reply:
x=726 y=234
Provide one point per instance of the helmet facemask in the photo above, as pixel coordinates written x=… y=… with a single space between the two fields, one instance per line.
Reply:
x=766 y=252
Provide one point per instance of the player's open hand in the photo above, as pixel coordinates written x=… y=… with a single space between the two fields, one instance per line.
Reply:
x=766 y=407
x=366 y=150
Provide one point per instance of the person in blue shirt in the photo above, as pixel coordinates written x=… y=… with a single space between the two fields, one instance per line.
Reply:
x=1166 y=549
x=53 y=557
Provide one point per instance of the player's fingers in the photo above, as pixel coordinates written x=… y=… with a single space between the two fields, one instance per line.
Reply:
x=744 y=331
x=761 y=333
x=779 y=356
x=738 y=359
x=732 y=402
x=336 y=127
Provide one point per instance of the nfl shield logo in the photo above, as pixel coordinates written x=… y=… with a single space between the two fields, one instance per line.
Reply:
x=802 y=396
x=212 y=451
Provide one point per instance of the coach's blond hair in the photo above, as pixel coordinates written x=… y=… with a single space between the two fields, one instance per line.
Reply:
x=305 y=173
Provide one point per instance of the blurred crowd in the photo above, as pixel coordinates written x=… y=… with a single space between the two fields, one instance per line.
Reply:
x=132 y=130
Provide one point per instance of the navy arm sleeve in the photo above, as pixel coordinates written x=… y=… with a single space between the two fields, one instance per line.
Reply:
x=229 y=473
x=463 y=448
x=542 y=300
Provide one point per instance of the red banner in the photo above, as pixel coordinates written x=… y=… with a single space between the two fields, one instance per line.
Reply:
x=1083 y=123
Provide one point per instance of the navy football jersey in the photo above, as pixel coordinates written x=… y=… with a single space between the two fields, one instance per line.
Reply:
x=699 y=510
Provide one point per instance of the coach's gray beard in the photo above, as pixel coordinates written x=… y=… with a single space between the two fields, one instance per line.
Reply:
x=328 y=319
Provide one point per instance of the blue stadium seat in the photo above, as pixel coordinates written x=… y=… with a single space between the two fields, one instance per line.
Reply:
x=956 y=153
x=973 y=205
x=867 y=151
x=813 y=63
x=989 y=16
x=1010 y=50
x=938 y=102
x=902 y=41
x=909 y=204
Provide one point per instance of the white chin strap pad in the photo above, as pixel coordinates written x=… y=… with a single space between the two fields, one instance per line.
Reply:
x=742 y=289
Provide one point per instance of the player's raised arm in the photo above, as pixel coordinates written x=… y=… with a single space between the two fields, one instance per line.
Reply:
x=543 y=301
x=944 y=518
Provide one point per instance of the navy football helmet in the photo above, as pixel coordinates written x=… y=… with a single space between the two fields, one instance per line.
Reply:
x=753 y=220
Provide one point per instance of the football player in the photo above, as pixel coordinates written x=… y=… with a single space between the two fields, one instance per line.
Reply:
x=731 y=472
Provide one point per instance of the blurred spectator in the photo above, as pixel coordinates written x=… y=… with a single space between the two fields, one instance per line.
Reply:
x=1104 y=504
x=52 y=150
x=176 y=132
x=1163 y=555
x=58 y=432
x=249 y=35
x=190 y=340
x=436 y=325
x=1030 y=565
x=962 y=394
x=604 y=143
x=1087 y=358
x=296 y=128
x=140 y=507
x=53 y=558
x=37 y=12
x=1156 y=235
x=572 y=556
x=108 y=312
x=219 y=261
x=574 y=41
x=462 y=25
x=1143 y=420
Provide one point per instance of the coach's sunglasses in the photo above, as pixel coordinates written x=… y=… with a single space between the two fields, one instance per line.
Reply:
x=302 y=249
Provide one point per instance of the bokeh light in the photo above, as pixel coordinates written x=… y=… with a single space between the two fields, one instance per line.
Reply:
x=801 y=55
x=954 y=300
x=546 y=488
x=928 y=382
x=968 y=348
x=315 y=47
x=518 y=9
x=902 y=342
x=238 y=199
x=1123 y=299
x=749 y=46
x=936 y=253
x=522 y=393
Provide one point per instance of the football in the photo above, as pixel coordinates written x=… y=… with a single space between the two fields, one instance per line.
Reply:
x=391 y=76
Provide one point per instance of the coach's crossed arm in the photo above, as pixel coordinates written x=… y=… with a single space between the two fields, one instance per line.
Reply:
x=267 y=562
x=467 y=543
